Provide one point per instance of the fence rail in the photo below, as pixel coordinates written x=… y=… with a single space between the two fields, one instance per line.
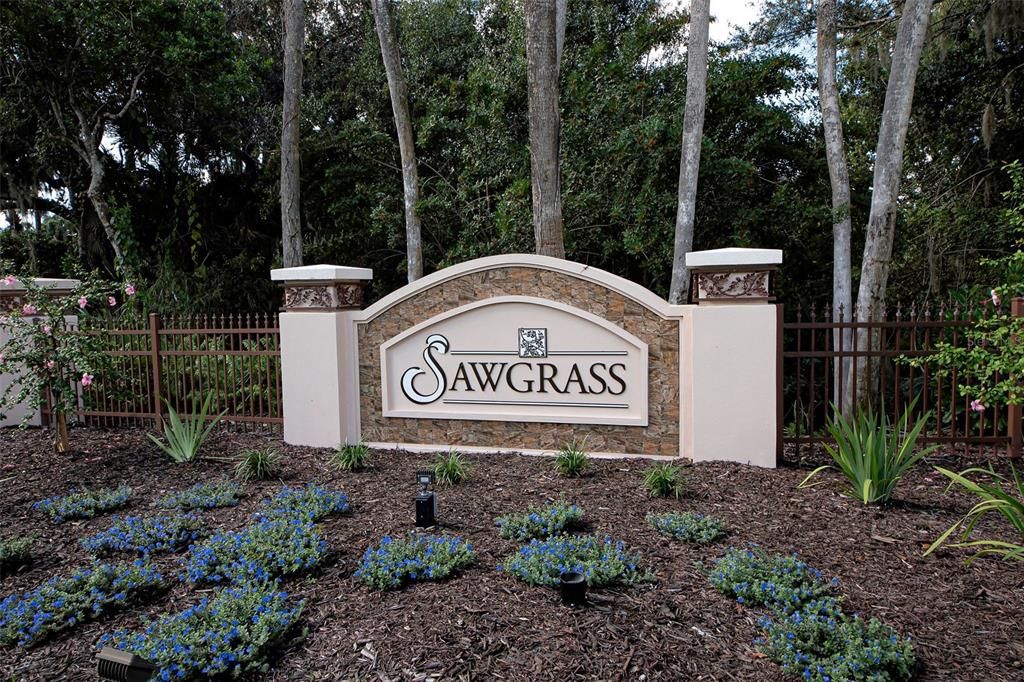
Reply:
x=817 y=373
x=179 y=361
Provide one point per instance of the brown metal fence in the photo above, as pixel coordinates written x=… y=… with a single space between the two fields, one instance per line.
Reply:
x=811 y=383
x=179 y=361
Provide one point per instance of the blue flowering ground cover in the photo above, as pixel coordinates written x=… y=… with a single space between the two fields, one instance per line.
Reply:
x=396 y=561
x=204 y=496
x=540 y=522
x=236 y=631
x=270 y=548
x=147 y=535
x=601 y=561
x=62 y=603
x=808 y=633
x=311 y=503
x=688 y=526
x=83 y=504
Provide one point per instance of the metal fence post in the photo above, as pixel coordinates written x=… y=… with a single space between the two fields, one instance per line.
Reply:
x=1014 y=412
x=154 y=354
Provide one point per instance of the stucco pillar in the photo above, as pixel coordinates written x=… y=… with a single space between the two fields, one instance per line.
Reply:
x=729 y=358
x=319 y=359
x=11 y=298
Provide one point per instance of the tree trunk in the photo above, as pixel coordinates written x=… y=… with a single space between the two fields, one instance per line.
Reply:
x=693 y=132
x=881 y=228
x=561 y=17
x=291 y=211
x=90 y=139
x=542 y=49
x=839 y=175
x=61 y=441
x=398 y=89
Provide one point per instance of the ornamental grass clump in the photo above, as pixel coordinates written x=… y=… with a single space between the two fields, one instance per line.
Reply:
x=84 y=504
x=540 y=522
x=755 y=578
x=62 y=603
x=15 y=553
x=268 y=549
x=204 y=496
x=186 y=435
x=350 y=457
x=235 y=632
x=451 y=468
x=311 y=503
x=572 y=459
x=147 y=535
x=872 y=454
x=602 y=562
x=664 y=480
x=688 y=526
x=259 y=464
x=396 y=561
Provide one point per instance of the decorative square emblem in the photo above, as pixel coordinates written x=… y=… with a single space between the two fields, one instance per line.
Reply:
x=533 y=342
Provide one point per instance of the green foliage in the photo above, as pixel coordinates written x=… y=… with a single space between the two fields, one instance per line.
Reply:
x=236 y=631
x=258 y=464
x=602 y=562
x=572 y=459
x=451 y=468
x=62 y=603
x=540 y=522
x=688 y=526
x=15 y=553
x=204 y=496
x=992 y=497
x=311 y=503
x=186 y=436
x=84 y=504
x=664 y=479
x=755 y=578
x=350 y=457
x=396 y=561
x=872 y=454
x=146 y=535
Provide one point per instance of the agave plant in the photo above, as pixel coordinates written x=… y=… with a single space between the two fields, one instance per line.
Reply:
x=186 y=436
x=871 y=453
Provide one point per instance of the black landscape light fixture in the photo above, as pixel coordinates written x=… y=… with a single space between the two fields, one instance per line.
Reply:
x=114 y=664
x=573 y=587
x=426 y=501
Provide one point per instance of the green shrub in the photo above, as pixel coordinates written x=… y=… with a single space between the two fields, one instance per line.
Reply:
x=396 y=561
x=602 y=562
x=872 y=454
x=350 y=457
x=258 y=464
x=688 y=527
x=62 y=603
x=572 y=459
x=147 y=535
x=84 y=504
x=992 y=498
x=664 y=480
x=204 y=496
x=234 y=632
x=540 y=522
x=451 y=468
x=186 y=436
x=755 y=578
x=14 y=553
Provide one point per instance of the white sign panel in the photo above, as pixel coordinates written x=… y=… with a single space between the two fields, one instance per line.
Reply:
x=516 y=358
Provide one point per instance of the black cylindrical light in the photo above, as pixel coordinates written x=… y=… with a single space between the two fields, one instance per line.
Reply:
x=114 y=664
x=573 y=587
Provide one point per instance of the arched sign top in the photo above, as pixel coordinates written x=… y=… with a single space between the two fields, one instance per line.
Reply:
x=516 y=358
x=628 y=289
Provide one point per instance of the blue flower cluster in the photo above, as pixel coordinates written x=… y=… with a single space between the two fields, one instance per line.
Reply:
x=311 y=503
x=269 y=548
x=540 y=522
x=688 y=526
x=235 y=631
x=83 y=504
x=204 y=496
x=416 y=557
x=602 y=562
x=808 y=633
x=62 y=603
x=150 y=535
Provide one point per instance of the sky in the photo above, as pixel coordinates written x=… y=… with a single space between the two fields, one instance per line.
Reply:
x=727 y=14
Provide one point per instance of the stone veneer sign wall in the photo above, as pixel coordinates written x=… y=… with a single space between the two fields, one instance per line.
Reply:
x=526 y=353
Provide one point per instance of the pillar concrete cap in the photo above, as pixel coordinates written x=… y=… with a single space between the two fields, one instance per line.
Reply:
x=733 y=257
x=43 y=283
x=320 y=273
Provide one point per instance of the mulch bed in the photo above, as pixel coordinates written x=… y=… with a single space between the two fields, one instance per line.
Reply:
x=483 y=624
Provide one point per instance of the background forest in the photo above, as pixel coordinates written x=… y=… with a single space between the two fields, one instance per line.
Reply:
x=184 y=97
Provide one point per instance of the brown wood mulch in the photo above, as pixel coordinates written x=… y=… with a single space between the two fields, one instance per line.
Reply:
x=965 y=621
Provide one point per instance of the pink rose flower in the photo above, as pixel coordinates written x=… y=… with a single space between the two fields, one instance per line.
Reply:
x=46 y=329
x=995 y=297
x=976 y=406
x=111 y=301
x=50 y=364
x=9 y=280
x=129 y=289
x=1 y=358
x=82 y=302
x=86 y=379
x=29 y=309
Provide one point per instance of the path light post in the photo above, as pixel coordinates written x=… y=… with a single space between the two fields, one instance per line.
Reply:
x=114 y=664
x=426 y=501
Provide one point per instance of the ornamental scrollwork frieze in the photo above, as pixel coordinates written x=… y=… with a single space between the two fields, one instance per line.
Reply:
x=330 y=296
x=732 y=285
